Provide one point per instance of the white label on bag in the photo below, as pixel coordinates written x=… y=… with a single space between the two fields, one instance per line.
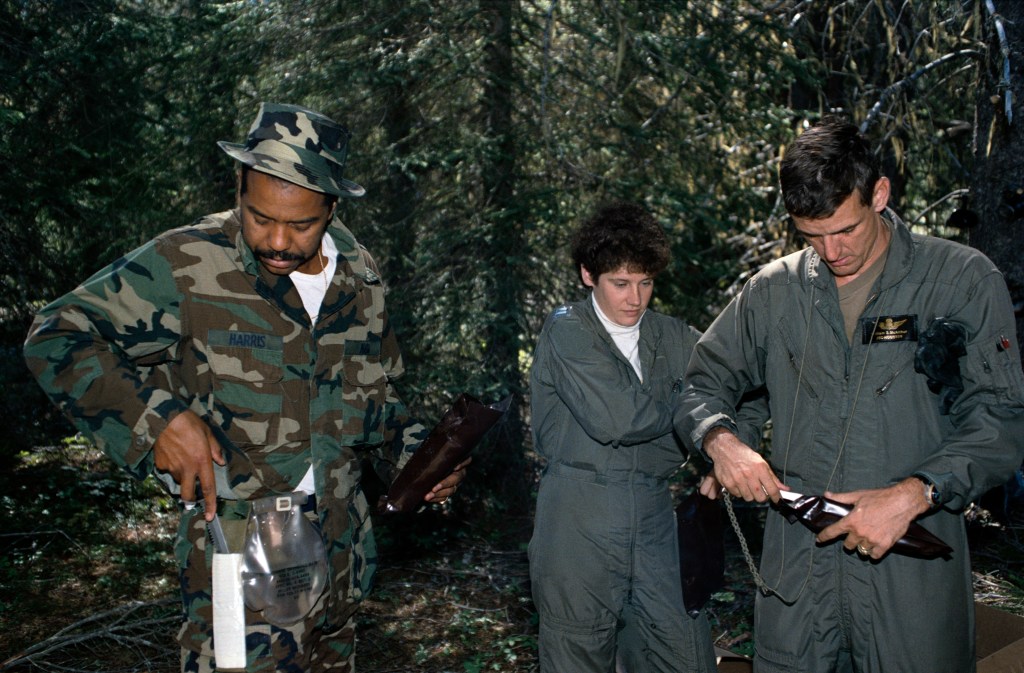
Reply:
x=228 y=612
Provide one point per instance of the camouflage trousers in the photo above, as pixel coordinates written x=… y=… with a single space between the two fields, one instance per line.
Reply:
x=300 y=648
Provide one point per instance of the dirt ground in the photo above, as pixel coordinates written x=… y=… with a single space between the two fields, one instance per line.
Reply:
x=87 y=582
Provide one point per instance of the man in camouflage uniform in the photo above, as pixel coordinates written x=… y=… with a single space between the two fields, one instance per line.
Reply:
x=250 y=351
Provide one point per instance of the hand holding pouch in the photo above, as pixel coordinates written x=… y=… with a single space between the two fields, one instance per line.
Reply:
x=817 y=512
x=447 y=445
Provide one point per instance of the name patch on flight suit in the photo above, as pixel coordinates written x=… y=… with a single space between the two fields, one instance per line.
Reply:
x=248 y=340
x=885 y=329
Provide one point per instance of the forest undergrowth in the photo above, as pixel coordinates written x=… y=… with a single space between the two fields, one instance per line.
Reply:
x=88 y=583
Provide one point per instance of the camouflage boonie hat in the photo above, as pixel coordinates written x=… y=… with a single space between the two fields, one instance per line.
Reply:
x=297 y=145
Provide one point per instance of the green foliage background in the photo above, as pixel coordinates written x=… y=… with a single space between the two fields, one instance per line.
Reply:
x=483 y=132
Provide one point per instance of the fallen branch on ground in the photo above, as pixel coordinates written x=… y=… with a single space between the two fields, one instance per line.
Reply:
x=139 y=634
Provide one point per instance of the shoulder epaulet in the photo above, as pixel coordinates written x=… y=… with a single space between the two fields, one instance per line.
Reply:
x=563 y=311
x=360 y=260
x=372 y=270
x=213 y=219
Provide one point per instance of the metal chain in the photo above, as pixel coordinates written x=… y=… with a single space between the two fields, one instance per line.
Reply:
x=758 y=579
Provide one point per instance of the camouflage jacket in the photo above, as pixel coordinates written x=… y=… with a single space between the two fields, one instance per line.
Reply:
x=189 y=321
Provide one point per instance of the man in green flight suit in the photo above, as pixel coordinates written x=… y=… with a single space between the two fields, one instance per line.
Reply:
x=832 y=333
x=251 y=352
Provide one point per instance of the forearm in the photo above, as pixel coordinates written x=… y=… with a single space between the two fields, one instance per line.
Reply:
x=981 y=454
x=104 y=395
x=608 y=408
x=724 y=382
x=85 y=348
x=984 y=446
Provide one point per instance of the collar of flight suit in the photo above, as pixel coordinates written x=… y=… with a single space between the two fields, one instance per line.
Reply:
x=650 y=335
x=897 y=265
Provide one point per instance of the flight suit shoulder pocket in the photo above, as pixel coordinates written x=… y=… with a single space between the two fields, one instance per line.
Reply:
x=990 y=362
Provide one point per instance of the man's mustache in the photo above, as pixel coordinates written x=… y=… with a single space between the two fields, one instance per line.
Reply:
x=279 y=255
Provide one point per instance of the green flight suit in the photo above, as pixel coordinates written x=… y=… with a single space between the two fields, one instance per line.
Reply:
x=604 y=556
x=857 y=416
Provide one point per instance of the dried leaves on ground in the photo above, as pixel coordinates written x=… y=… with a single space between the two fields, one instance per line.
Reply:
x=87 y=581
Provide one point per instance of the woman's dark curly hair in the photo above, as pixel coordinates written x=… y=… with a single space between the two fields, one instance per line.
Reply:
x=621 y=235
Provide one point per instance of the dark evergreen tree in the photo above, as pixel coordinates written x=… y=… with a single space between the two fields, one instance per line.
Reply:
x=994 y=215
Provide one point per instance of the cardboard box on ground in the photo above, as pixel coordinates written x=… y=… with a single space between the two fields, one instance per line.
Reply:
x=732 y=663
x=999 y=644
x=999 y=640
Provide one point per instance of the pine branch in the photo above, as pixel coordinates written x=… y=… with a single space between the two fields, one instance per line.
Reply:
x=123 y=627
x=1004 y=49
x=909 y=80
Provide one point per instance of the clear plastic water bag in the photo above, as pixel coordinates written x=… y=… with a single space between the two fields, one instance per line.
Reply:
x=284 y=565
